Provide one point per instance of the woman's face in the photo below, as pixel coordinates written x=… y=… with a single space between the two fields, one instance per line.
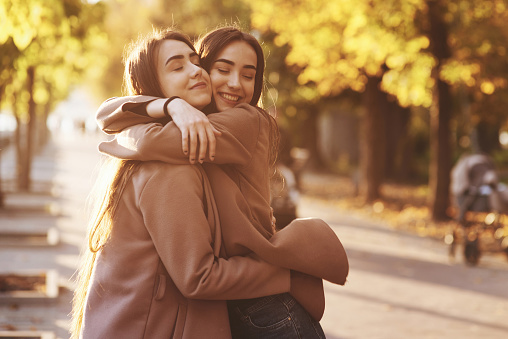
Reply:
x=233 y=75
x=180 y=74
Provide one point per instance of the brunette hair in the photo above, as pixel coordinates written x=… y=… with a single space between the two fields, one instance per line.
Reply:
x=140 y=59
x=211 y=44
x=140 y=78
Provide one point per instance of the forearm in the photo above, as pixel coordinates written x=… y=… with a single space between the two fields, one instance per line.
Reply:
x=184 y=237
x=155 y=108
x=146 y=142
x=236 y=278
x=116 y=114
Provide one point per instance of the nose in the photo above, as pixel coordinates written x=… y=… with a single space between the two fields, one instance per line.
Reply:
x=234 y=81
x=196 y=71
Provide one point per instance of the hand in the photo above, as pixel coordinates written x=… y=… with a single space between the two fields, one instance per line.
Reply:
x=195 y=127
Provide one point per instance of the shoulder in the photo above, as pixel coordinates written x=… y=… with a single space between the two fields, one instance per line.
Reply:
x=255 y=112
x=160 y=178
x=249 y=110
x=164 y=172
x=241 y=115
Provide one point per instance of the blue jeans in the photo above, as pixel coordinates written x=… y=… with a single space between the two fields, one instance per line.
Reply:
x=277 y=316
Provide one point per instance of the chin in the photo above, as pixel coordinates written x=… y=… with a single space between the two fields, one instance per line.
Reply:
x=199 y=103
x=222 y=108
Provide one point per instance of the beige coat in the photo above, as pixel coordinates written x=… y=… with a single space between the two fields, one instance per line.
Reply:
x=162 y=260
x=240 y=182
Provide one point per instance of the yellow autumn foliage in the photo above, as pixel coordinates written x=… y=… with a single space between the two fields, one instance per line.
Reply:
x=339 y=43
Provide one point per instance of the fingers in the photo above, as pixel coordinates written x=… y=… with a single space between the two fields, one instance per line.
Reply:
x=198 y=132
x=211 y=143
x=185 y=141
x=193 y=144
x=199 y=135
x=203 y=141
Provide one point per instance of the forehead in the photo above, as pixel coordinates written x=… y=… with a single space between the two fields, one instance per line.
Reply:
x=169 y=48
x=240 y=53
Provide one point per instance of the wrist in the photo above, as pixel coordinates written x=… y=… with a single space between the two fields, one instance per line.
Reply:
x=166 y=109
x=155 y=108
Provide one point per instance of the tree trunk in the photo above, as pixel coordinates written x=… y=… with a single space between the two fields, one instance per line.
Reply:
x=440 y=117
x=488 y=135
x=396 y=126
x=43 y=122
x=19 y=141
x=24 y=180
x=373 y=141
x=2 y=197
x=309 y=131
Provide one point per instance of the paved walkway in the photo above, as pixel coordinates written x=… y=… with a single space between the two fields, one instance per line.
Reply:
x=404 y=286
x=400 y=285
x=62 y=178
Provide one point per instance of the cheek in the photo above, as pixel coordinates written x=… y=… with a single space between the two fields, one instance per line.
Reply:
x=216 y=80
x=249 y=90
x=166 y=87
x=173 y=85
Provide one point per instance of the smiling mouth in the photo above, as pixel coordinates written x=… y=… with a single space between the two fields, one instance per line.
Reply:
x=199 y=85
x=230 y=97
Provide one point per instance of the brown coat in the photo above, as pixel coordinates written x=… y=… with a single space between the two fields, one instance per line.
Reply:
x=240 y=182
x=310 y=245
x=162 y=260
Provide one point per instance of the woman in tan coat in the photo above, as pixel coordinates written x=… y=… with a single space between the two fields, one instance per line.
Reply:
x=243 y=150
x=154 y=267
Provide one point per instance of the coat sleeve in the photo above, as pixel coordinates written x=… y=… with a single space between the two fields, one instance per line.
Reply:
x=240 y=128
x=171 y=203
x=116 y=114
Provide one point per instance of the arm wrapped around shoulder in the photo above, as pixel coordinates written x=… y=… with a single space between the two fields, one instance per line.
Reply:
x=116 y=114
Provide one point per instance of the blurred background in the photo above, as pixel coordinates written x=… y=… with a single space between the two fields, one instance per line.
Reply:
x=380 y=91
x=377 y=100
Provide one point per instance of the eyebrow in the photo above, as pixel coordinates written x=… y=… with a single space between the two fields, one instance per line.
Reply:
x=179 y=56
x=229 y=62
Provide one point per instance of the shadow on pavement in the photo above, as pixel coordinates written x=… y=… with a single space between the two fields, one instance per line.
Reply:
x=410 y=308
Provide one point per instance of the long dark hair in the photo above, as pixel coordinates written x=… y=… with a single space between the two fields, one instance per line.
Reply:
x=211 y=44
x=140 y=59
x=140 y=78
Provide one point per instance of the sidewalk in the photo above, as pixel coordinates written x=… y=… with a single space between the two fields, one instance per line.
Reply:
x=62 y=178
x=402 y=286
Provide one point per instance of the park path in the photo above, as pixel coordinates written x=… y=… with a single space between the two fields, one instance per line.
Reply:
x=404 y=286
x=63 y=173
x=399 y=286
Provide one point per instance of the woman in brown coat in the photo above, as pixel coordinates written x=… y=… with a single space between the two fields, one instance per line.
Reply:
x=154 y=267
x=308 y=245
